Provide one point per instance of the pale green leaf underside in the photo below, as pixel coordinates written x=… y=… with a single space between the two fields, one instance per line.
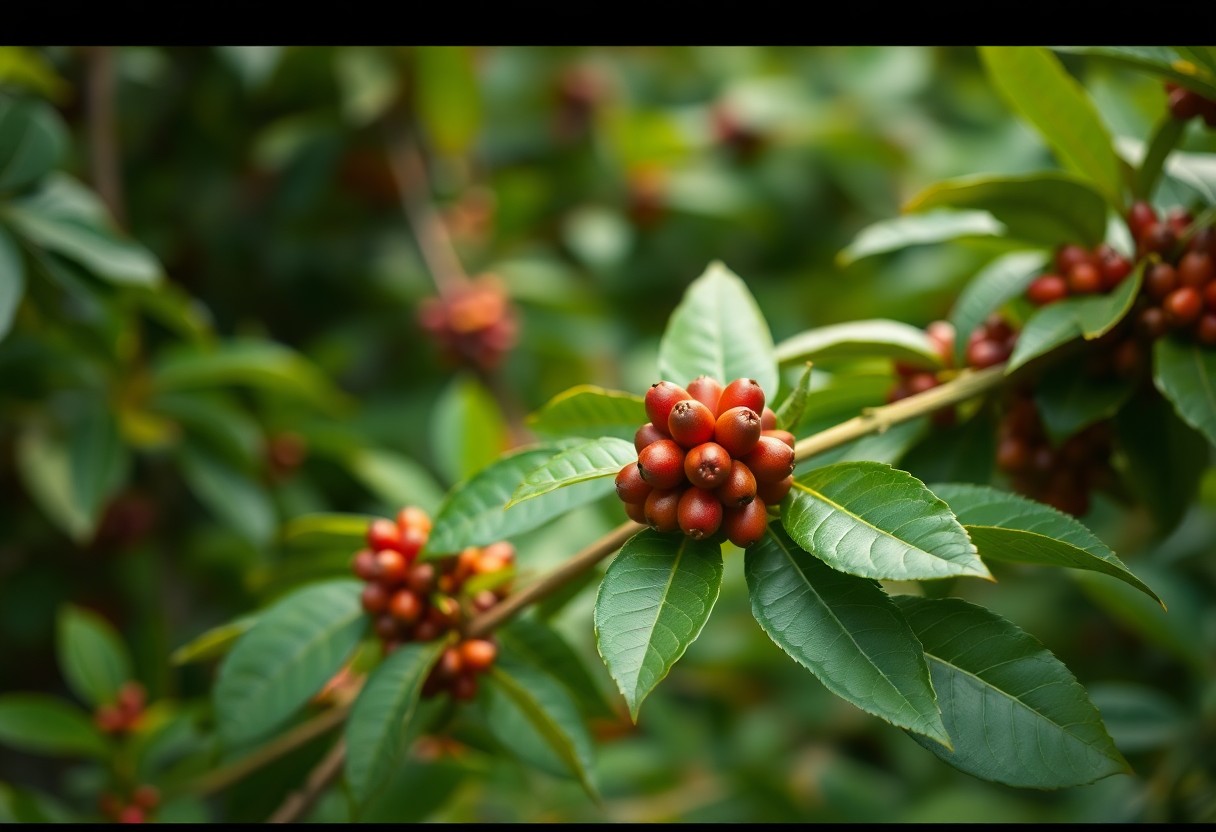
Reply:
x=919 y=229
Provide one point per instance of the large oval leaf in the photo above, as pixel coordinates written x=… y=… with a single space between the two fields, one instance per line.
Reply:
x=1007 y=527
x=590 y=411
x=32 y=138
x=1036 y=85
x=1001 y=280
x=718 y=331
x=92 y=657
x=42 y=724
x=858 y=340
x=917 y=230
x=98 y=457
x=589 y=460
x=845 y=630
x=377 y=726
x=1186 y=375
x=655 y=598
x=869 y=519
x=1048 y=208
x=1015 y=712
x=92 y=245
x=295 y=647
x=12 y=281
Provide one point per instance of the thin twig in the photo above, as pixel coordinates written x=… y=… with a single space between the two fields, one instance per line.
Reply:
x=297 y=804
x=104 y=164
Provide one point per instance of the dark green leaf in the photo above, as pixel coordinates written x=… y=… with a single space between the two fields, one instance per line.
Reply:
x=536 y=643
x=32 y=138
x=590 y=411
x=789 y=412
x=859 y=340
x=92 y=657
x=1138 y=717
x=1001 y=280
x=99 y=460
x=1015 y=712
x=414 y=791
x=1186 y=375
x=236 y=499
x=1098 y=315
x=655 y=598
x=959 y=453
x=1069 y=400
x=589 y=460
x=214 y=419
x=1165 y=457
x=468 y=431
x=12 y=281
x=42 y=724
x=293 y=649
x=91 y=244
x=718 y=331
x=845 y=630
x=1165 y=138
x=1177 y=63
x=1046 y=329
x=214 y=643
x=919 y=229
x=869 y=519
x=337 y=531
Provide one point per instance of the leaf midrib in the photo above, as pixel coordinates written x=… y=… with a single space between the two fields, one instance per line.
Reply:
x=671 y=579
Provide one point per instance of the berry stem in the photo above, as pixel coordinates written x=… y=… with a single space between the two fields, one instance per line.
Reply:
x=296 y=804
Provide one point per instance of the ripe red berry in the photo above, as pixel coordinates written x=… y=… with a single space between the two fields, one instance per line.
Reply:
x=364 y=564
x=771 y=460
x=985 y=353
x=699 y=513
x=772 y=493
x=1084 y=279
x=375 y=598
x=1183 y=306
x=450 y=664
x=415 y=518
x=1128 y=359
x=745 y=526
x=405 y=606
x=1012 y=454
x=131 y=814
x=661 y=398
x=131 y=698
x=1114 y=267
x=391 y=566
x=647 y=434
x=383 y=534
x=707 y=391
x=1151 y=323
x=784 y=435
x=691 y=423
x=739 y=489
x=464 y=687
x=1160 y=280
x=1183 y=104
x=662 y=507
x=420 y=578
x=1139 y=218
x=920 y=382
x=1069 y=256
x=661 y=464
x=109 y=719
x=477 y=654
x=495 y=557
x=1159 y=238
x=768 y=419
x=1209 y=295
x=707 y=465
x=738 y=430
x=942 y=334
x=146 y=797
x=742 y=392
x=1047 y=288
x=630 y=486
x=1205 y=330
x=428 y=630
x=387 y=627
x=1204 y=240
x=1179 y=219
x=636 y=512
x=413 y=538
x=1196 y=268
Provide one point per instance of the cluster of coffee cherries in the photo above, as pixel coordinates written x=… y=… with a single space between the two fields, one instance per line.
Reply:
x=1179 y=293
x=474 y=324
x=1062 y=476
x=710 y=459
x=123 y=714
x=135 y=808
x=1079 y=271
x=1186 y=104
x=411 y=600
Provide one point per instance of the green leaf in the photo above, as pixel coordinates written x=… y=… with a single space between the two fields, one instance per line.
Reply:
x=960 y=453
x=718 y=331
x=1069 y=400
x=654 y=599
x=32 y=140
x=604 y=457
x=533 y=642
x=871 y=520
x=468 y=431
x=293 y=649
x=1035 y=84
x=214 y=419
x=789 y=412
x=534 y=717
x=45 y=468
x=1097 y=315
x=590 y=411
x=917 y=230
x=1015 y=712
x=337 y=531
x=1047 y=328
x=845 y=630
x=241 y=503
x=376 y=729
x=1177 y=63
x=1186 y=375
x=12 y=281
x=41 y=724
x=1166 y=136
x=472 y=514
x=92 y=657
x=91 y=244
x=1000 y=281
x=395 y=479
x=214 y=643
x=1138 y=717
x=98 y=459
x=859 y=340
x=1008 y=527
x=447 y=96
x=1047 y=208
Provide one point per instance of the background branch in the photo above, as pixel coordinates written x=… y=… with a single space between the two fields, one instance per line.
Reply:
x=297 y=804
x=104 y=162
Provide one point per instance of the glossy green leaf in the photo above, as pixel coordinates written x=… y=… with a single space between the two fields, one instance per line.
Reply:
x=1186 y=375
x=872 y=520
x=1165 y=457
x=339 y=531
x=45 y=468
x=1068 y=400
x=98 y=458
x=1098 y=315
x=718 y=331
x=293 y=649
x=93 y=245
x=789 y=413
x=376 y=729
x=655 y=598
x=919 y=229
x=1007 y=527
x=593 y=459
x=1015 y=712
x=32 y=140
x=448 y=102
x=1000 y=281
x=534 y=717
x=1036 y=85
x=93 y=659
x=12 y=281
x=41 y=724
x=1047 y=208
x=1177 y=63
x=1166 y=136
x=395 y=479
x=1046 y=329
x=213 y=643
x=845 y=630
x=534 y=642
x=473 y=515
x=234 y=497
x=859 y=340
x=590 y=411
x=468 y=431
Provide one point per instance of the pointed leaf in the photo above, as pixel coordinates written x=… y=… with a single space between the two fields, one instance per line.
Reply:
x=12 y=281
x=1000 y=281
x=1098 y=315
x=1173 y=62
x=1015 y=712
x=32 y=139
x=339 y=531
x=295 y=647
x=1069 y=401
x=919 y=229
x=869 y=519
x=1165 y=457
x=845 y=630
x=590 y=411
x=1186 y=375
x=654 y=599
x=213 y=643
x=1007 y=527
x=1036 y=85
x=93 y=659
x=533 y=642
x=1047 y=328
x=1166 y=136
x=376 y=729
x=103 y=252
x=41 y=724
x=859 y=340
x=589 y=460
x=718 y=331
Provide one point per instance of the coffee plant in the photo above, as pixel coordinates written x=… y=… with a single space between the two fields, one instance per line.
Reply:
x=422 y=545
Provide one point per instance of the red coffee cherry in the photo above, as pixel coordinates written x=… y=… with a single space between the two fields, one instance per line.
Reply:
x=1205 y=330
x=375 y=598
x=413 y=539
x=699 y=513
x=1204 y=240
x=738 y=430
x=739 y=489
x=637 y=513
x=495 y=557
x=707 y=466
x=412 y=517
x=450 y=664
x=1159 y=238
x=1084 y=279
x=1183 y=104
x=109 y=719
x=1179 y=219
x=691 y=423
x=745 y=526
x=662 y=464
x=428 y=630
x=1139 y=218
x=391 y=566
x=1114 y=267
x=1151 y=322
x=405 y=606
x=918 y=383
x=1196 y=269
x=770 y=461
x=707 y=391
x=661 y=398
x=1069 y=256
x=772 y=493
x=985 y=353
x=1183 y=306
x=942 y=334
x=387 y=627
x=477 y=654
x=383 y=534
x=131 y=814
x=1209 y=295
x=784 y=435
x=742 y=392
x=1128 y=359
x=630 y=486
x=647 y=434
x=464 y=687
x=662 y=510
x=1012 y=454
x=420 y=578
x=146 y=797
x=364 y=564
x=768 y=419
x=1047 y=288
x=1160 y=280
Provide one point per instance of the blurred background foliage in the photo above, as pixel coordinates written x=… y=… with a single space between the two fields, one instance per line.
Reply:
x=236 y=343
